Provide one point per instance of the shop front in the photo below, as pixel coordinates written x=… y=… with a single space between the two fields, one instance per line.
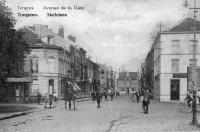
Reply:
x=17 y=90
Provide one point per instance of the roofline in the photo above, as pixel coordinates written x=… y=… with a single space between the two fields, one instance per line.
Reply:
x=45 y=46
x=174 y=32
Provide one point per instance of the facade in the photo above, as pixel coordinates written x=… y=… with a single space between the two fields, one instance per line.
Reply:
x=79 y=67
x=103 y=77
x=48 y=64
x=173 y=53
x=96 y=77
x=106 y=78
x=127 y=80
x=53 y=63
x=92 y=76
x=149 y=71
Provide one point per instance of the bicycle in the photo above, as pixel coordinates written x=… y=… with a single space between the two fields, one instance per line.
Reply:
x=184 y=107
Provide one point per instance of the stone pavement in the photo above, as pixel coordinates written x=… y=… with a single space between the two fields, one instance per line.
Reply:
x=14 y=110
x=119 y=115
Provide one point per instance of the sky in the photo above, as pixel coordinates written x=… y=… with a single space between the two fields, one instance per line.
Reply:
x=113 y=32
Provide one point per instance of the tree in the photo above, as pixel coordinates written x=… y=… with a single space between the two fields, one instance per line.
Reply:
x=13 y=48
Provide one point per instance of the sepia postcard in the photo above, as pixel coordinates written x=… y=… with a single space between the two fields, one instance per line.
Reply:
x=99 y=65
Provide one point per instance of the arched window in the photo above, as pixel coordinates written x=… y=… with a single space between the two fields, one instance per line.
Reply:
x=51 y=64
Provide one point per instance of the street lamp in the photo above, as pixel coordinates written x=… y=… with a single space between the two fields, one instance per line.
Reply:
x=194 y=108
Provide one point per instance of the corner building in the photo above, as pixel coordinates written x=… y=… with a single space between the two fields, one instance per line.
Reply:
x=173 y=53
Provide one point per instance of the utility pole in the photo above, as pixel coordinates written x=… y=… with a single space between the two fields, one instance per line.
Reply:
x=194 y=108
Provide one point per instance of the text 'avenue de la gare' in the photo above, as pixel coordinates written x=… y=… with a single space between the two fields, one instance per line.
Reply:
x=64 y=8
x=47 y=8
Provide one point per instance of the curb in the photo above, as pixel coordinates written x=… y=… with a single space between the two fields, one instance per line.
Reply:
x=20 y=114
x=83 y=100
x=32 y=111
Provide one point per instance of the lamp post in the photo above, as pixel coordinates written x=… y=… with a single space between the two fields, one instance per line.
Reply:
x=194 y=88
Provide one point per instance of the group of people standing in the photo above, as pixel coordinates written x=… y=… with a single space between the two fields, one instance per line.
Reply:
x=48 y=98
x=98 y=96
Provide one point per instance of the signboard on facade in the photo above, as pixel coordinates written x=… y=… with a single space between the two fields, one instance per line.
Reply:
x=23 y=79
x=180 y=75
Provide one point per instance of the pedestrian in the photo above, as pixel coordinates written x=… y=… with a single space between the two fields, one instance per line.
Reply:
x=138 y=96
x=55 y=97
x=46 y=99
x=127 y=91
x=50 y=100
x=146 y=101
x=98 y=98
x=105 y=95
x=38 y=97
x=26 y=99
x=93 y=96
x=188 y=98
x=111 y=95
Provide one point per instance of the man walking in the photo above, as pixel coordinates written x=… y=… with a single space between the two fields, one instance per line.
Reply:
x=38 y=97
x=138 y=96
x=98 y=98
x=146 y=101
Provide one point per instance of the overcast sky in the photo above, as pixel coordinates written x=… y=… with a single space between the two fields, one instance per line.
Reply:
x=114 y=32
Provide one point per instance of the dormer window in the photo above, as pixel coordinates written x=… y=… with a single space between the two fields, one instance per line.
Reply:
x=49 y=39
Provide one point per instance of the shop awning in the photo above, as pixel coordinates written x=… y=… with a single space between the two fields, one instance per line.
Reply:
x=73 y=86
x=77 y=86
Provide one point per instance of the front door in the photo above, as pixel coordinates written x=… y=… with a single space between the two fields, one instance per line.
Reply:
x=51 y=87
x=175 y=89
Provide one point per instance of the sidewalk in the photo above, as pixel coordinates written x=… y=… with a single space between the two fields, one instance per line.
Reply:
x=8 y=111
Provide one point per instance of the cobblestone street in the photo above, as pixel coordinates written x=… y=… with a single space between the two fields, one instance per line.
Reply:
x=119 y=115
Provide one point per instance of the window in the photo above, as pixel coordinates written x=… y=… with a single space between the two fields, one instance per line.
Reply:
x=34 y=65
x=51 y=65
x=175 y=65
x=191 y=46
x=175 y=46
x=191 y=62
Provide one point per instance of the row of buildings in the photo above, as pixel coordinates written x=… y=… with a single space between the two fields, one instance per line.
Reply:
x=165 y=71
x=53 y=63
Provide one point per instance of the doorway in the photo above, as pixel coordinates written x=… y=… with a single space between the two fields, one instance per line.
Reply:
x=51 y=87
x=175 y=89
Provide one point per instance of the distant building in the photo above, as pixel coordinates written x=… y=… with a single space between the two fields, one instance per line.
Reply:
x=127 y=80
x=149 y=72
x=106 y=77
x=92 y=76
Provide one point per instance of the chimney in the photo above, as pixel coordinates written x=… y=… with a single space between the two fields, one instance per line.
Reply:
x=72 y=38
x=61 y=31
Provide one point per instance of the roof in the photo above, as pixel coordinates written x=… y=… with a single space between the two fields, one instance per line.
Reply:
x=29 y=36
x=32 y=33
x=186 y=25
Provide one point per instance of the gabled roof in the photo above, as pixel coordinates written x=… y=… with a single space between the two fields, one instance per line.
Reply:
x=29 y=36
x=33 y=33
x=186 y=25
